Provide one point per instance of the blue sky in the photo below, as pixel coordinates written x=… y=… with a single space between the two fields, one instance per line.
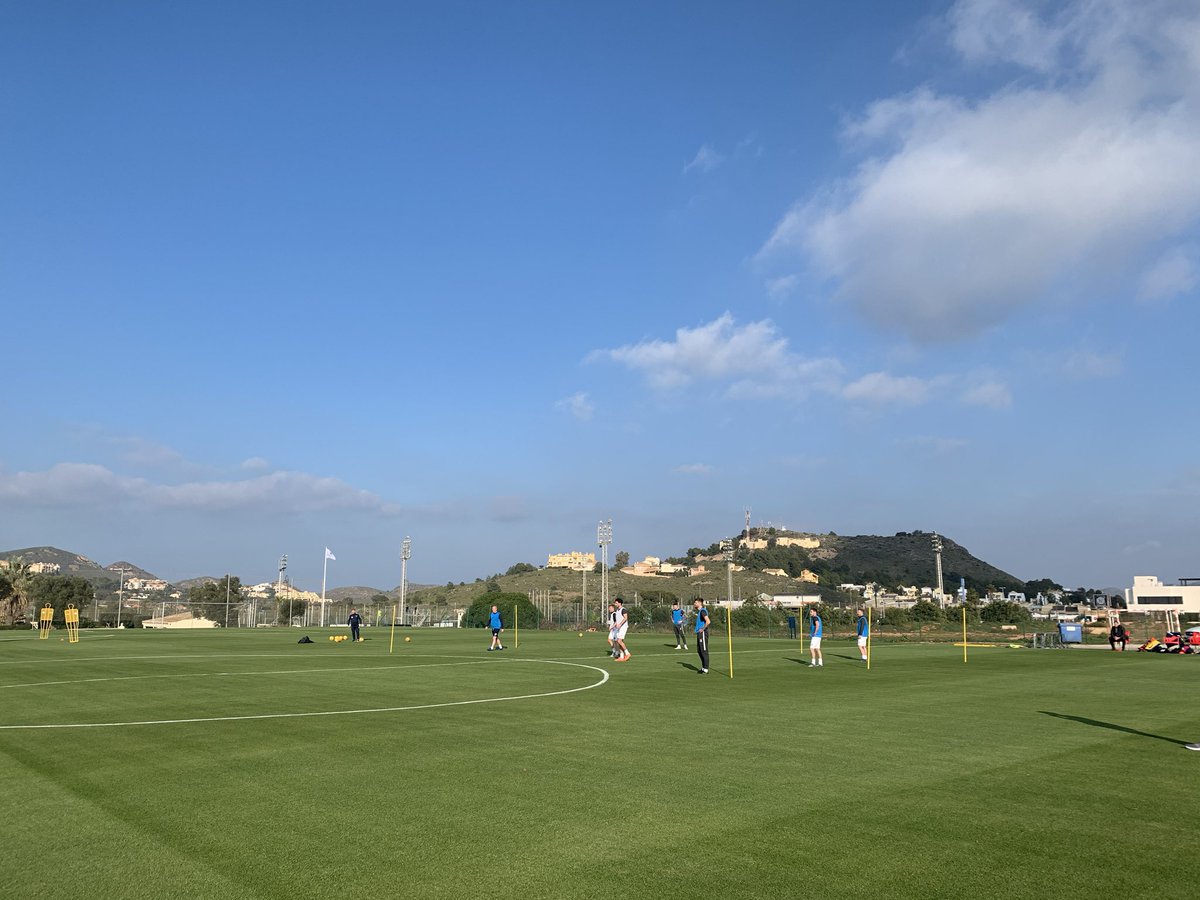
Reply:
x=276 y=277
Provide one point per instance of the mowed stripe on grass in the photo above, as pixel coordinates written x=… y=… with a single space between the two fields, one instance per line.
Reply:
x=1011 y=774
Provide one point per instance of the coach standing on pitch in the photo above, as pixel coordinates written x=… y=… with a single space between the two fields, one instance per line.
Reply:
x=354 y=622
x=702 y=623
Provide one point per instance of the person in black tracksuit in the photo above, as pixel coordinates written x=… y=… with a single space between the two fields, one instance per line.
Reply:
x=354 y=622
x=702 y=623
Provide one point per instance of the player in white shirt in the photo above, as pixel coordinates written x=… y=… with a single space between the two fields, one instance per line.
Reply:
x=622 y=626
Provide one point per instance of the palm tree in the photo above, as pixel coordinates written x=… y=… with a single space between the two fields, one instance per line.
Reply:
x=14 y=590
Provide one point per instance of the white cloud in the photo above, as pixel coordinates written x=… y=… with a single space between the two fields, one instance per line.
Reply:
x=994 y=394
x=87 y=485
x=883 y=388
x=1085 y=365
x=705 y=160
x=782 y=287
x=1144 y=547
x=694 y=469
x=508 y=509
x=255 y=464
x=969 y=209
x=1172 y=274
x=754 y=358
x=577 y=405
x=936 y=445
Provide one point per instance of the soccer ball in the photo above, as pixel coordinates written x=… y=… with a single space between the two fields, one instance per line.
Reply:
x=581 y=634
x=332 y=637
x=407 y=640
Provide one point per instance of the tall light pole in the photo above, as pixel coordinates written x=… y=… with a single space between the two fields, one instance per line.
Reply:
x=405 y=555
x=603 y=539
x=727 y=546
x=583 y=600
x=120 y=598
x=226 y=599
x=937 y=555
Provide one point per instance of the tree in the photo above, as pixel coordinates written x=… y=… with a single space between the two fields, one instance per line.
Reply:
x=1041 y=586
x=289 y=608
x=1005 y=612
x=507 y=603
x=208 y=600
x=622 y=559
x=14 y=590
x=598 y=568
x=519 y=568
x=59 y=591
x=924 y=611
x=492 y=586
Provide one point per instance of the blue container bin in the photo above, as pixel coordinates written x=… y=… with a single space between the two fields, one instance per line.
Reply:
x=1070 y=632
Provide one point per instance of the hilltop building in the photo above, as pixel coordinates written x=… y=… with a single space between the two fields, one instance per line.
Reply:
x=1148 y=594
x=576 y=561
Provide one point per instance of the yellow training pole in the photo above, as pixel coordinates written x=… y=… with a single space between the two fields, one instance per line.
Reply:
x=964 y=634
x=516 y=628
x=71 y=618
x=729 y=637
x=392 y=639
x=870 y=630
x=45 y=621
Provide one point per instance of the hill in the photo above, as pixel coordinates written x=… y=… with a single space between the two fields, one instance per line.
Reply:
x=904 y=559
x=131 y=571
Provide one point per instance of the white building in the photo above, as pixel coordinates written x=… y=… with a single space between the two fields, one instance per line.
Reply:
x=1148 y=594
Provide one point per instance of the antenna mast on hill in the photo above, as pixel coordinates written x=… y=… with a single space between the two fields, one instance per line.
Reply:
x=747 y=523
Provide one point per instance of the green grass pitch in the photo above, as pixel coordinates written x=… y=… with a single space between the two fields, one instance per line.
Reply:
x=338 y=770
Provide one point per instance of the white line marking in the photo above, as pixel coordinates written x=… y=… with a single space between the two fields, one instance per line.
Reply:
x=340 y=712
x=5 y=687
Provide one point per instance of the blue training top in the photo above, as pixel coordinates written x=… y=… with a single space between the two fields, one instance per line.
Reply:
x=863 y=628
x=814 y=626
x=677 y=616
x=496 y=620
x=701 y=613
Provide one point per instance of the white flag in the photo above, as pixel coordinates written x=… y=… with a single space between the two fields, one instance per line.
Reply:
x=329 y=554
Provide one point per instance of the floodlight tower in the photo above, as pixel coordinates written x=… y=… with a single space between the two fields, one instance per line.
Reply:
x=727 y=547
x=603 y=539
x=282 y=569
x=937 y=555
x=405 y=555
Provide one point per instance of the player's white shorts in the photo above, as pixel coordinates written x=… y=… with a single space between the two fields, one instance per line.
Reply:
x=814 y=643
x=612 y=634
x=862 y=642
x=621 y=632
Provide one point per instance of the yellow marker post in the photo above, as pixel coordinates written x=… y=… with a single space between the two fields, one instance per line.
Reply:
x=870 y=631
x=516 y=628
x=729 y=637
x=45 y=621
x=71 y=617
x=964 y=612
x=392 y=639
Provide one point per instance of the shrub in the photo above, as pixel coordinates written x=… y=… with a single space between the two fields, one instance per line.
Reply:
x=514 y=609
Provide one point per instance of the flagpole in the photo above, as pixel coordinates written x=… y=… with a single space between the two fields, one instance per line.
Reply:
x=324 y=572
